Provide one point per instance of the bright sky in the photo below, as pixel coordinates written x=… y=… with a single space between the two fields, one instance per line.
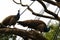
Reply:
x=8 y=7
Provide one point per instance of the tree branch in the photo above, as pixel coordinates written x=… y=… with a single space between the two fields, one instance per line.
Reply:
x=45 y=8
x=29 y=34
x=22 y=4
x=40 y=14
x=49 y=12
x=52 y=2
x=15 y=2
x=19 y=3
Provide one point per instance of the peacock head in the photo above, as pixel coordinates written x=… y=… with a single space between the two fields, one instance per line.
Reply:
x=18 y=14
x=46 y=29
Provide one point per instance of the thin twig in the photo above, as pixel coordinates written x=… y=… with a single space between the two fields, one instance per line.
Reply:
x=15 y=2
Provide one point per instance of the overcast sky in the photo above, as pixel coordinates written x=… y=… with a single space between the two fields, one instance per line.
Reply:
x=8 y=7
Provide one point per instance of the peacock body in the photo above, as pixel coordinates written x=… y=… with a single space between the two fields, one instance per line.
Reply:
x=35 y=24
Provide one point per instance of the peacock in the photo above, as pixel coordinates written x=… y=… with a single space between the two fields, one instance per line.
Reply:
x=35 y=24
x=11 y=20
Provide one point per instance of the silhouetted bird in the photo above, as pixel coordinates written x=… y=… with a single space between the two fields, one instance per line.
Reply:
x=11 y=20
x=35 y=24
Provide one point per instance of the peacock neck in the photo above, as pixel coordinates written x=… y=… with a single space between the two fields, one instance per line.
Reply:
x=18 y=16
x=22 y=23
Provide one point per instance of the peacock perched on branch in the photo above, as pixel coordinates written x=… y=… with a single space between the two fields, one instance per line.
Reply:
x=35 y=24
x=11 y=20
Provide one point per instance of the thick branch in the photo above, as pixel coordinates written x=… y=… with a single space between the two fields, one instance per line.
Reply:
x=29 y=34
x=43 y=16
x=51 y=13
x=45 y=8
x=52 y=2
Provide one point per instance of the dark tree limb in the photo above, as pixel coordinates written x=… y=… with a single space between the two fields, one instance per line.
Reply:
x=52 y=2
x=51 y=13
x=45 y=8
x=29 y=34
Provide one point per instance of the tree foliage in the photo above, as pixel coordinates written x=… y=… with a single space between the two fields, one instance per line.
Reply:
x=53 y=33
